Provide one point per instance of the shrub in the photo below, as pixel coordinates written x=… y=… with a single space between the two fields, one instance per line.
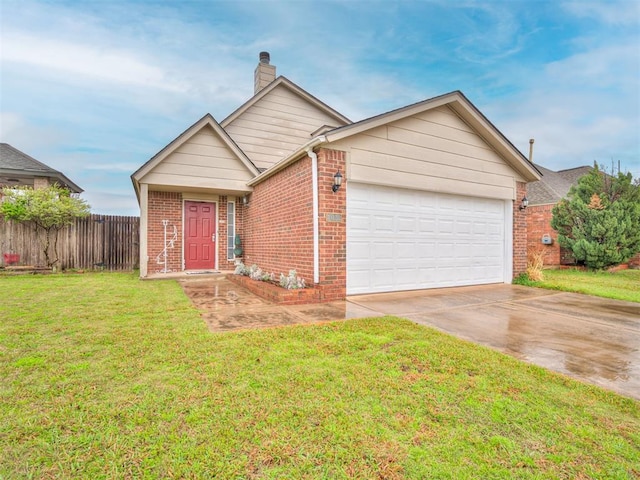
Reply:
x=241 y=269
x=292 y=281
x=268 y=277
x=255 y=272
x=600 y=220
x=535 y=262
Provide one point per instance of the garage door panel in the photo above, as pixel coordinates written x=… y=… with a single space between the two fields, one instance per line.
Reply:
x=406 y=224
x=463 y=227
x=404 y=278
x=360 y=251
x=383 y=278
x=403 y=239
x=426 y=248
x=428 y=276
x=382 y=251
x=360 y=223
x=360 y=276
x=406 y=251
x=382 y=224
x=445 y=225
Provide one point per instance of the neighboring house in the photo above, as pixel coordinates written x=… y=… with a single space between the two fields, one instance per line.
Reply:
x=430 y=194
x=543 y=194
x=19 y=169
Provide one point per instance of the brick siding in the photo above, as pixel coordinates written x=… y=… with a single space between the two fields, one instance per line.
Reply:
x=277 y=227
x=278 y=224
x=333 y=234
x=164 y=206
x=539 y=224
x=519 y=231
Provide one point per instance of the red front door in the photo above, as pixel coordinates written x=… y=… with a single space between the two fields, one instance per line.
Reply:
x=199 y=234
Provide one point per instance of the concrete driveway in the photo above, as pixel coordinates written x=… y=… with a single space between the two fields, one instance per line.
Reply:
x=589 y=338
x=592 y=339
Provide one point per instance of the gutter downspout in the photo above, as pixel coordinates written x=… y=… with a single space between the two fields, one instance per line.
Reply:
x=316 y=239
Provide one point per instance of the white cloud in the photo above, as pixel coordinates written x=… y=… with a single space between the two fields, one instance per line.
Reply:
x=108 y=203
x=114 y=167
x=616 y=13
x=614 y=65
x=99 y=88
x=582 y=108
x=23 y=135
x=92 y=61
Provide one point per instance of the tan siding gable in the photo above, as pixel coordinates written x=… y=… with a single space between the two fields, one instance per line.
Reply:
x=433 y=150
x=204 y=160
x=276 y=125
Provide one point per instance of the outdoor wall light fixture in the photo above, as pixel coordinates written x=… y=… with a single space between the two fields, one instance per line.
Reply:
x=337 y=181
x=245 y=200
x=525 y=203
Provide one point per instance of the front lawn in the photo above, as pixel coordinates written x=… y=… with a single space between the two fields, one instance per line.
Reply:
x=104 y=376
x=621 y=285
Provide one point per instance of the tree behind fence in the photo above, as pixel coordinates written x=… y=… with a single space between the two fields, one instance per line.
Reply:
x=97 y=242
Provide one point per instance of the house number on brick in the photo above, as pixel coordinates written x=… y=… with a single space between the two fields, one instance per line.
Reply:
x=334 y=217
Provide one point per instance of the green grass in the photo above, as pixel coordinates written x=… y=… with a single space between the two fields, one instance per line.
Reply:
x=104 y=376
x=621 y=285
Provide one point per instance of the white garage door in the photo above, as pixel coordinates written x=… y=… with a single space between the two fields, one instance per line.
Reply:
x=406 y=239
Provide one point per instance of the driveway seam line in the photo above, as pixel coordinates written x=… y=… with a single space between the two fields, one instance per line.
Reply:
x=573 y=317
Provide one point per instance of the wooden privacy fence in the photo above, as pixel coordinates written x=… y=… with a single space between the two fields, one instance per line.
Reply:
x=97 y=242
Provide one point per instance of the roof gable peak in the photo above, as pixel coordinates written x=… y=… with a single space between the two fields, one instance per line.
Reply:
x=285 y=82
x=465 y=110
x=206 y=120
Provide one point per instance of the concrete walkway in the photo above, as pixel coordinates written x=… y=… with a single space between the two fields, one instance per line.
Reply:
x=226 y=306
x=589 y=338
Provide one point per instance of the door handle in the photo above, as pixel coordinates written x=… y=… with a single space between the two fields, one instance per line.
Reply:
x=213 y=237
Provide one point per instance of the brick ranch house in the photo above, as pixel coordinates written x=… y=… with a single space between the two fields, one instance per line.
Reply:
x=543 y=195
x=430 y=194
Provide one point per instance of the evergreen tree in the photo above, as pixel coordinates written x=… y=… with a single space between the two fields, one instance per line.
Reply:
x=600 y=219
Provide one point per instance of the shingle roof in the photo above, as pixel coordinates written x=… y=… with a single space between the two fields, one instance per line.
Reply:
x=15 y=162
x=553 y=186
x=573 y=174
x=14 y=159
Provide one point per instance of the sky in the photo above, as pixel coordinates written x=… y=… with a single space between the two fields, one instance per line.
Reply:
x=95 y=88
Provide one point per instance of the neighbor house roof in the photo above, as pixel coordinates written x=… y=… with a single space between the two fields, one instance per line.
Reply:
x=455 y=100
x=182 y=138
x=553 y=186
x=15 y=165
x=285 y=82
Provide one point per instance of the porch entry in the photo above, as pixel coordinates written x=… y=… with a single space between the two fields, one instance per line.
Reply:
x=199 y=235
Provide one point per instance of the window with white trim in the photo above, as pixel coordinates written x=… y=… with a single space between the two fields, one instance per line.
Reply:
x=231 y=229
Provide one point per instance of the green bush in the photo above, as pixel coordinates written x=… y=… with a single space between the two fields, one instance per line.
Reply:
x=600 y=220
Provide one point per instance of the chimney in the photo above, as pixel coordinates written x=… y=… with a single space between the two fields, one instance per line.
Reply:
x=264 y=73
x=531 y=140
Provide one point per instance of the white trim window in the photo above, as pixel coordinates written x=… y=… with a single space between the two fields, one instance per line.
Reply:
x=231 y=229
